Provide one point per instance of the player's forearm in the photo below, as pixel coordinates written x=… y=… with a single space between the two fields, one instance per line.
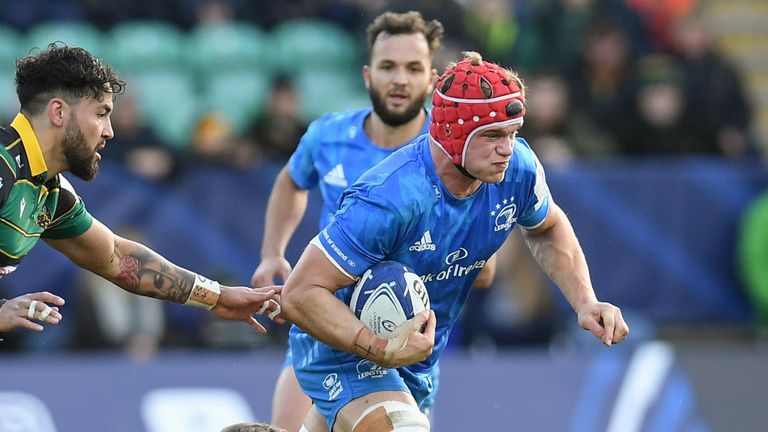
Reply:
x=140 y=270
x=322 y=315
x=487 y=273
x=558 y=253
x=285 y=209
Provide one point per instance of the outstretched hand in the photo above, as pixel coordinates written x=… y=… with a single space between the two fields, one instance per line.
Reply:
x=22 y=311
x=241 y=303
x=605 y=321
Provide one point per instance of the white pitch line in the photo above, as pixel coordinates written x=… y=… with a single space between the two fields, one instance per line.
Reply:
x=642 y=384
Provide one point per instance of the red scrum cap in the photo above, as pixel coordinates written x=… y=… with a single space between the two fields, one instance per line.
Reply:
x=471 y=96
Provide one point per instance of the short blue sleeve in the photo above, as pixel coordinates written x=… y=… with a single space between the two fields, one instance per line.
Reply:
x=364 y=232
x=301 y=165
x=538 y=203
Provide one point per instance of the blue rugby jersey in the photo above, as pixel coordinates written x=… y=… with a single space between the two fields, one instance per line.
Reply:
x=400 y=210
x=334 y=153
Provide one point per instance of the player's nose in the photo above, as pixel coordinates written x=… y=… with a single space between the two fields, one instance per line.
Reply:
x=108 y=132
x=505 y=147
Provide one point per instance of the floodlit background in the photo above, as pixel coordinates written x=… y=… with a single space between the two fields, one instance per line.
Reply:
x=650 y=116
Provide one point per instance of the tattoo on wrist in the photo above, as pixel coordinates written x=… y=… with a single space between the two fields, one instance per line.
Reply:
x=144 y=272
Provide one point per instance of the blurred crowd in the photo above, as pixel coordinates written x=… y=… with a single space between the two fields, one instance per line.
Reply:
x=605 y=78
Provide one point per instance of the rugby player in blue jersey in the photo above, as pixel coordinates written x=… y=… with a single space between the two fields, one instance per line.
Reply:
x=463 y=187
x=339 y=147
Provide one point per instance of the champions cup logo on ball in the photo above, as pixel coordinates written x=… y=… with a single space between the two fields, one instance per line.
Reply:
x=387 y=295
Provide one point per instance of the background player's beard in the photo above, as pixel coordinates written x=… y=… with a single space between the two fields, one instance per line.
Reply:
x=80 y=158
x=392 y=118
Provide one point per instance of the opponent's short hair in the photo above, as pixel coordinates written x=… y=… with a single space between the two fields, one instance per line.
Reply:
x=393 y=23
x=470 y=96
x=70 y=73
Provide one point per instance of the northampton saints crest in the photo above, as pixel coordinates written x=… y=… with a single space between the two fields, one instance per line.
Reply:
x=43 y=218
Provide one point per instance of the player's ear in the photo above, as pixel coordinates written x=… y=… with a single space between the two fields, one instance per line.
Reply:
x=56 y=111
x=432 y=81
x=367 y=76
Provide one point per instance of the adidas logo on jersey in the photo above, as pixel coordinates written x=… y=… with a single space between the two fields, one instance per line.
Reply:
x=425 y=243
x=336 y=177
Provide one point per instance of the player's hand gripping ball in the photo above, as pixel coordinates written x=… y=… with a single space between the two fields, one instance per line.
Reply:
x=386 y=296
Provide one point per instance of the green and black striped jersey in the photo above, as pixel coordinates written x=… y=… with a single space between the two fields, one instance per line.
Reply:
x=31 y=204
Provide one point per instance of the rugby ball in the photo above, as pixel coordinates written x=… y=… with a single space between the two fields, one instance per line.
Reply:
x=387 y=295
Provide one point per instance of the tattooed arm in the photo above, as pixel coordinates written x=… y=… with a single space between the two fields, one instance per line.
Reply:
x=140 y=270
x=129 y=265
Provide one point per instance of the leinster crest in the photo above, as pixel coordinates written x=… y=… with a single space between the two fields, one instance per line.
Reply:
x=504 y=215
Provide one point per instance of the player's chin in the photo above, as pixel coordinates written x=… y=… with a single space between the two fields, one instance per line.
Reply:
x=396 y=109
x=494 y=177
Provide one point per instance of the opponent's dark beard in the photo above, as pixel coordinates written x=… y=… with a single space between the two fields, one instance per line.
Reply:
x=80 y=158
x=391 y=118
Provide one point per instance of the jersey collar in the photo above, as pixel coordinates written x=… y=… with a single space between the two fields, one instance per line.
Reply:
x=37 y=164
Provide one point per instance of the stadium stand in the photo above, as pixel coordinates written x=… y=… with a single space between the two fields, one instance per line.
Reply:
x=74 y=33
x=10 y=49
x=169 y=103
x=330 y=90
x=228 y=46
x=140 y=46
x=238 y=94
x=314 y=44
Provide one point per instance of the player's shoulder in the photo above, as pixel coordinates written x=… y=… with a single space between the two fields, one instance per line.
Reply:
x=8 y=166
x=524 y=158
x=341 y=124
x=67 y=198
x=523 y=150
x=64 y=185
x=9 y=148
x=8 y=137
x=404 y=160
x=400 y=175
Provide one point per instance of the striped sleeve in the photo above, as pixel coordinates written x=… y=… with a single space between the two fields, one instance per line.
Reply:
x=71 y=218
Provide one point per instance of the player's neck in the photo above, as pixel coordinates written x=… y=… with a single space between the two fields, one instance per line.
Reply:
x=386 y=136
x=455 y=182
x=46 y=138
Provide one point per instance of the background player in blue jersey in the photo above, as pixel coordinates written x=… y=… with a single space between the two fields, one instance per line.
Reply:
x=464 y=187
x=339 y=147
x=66 y=97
